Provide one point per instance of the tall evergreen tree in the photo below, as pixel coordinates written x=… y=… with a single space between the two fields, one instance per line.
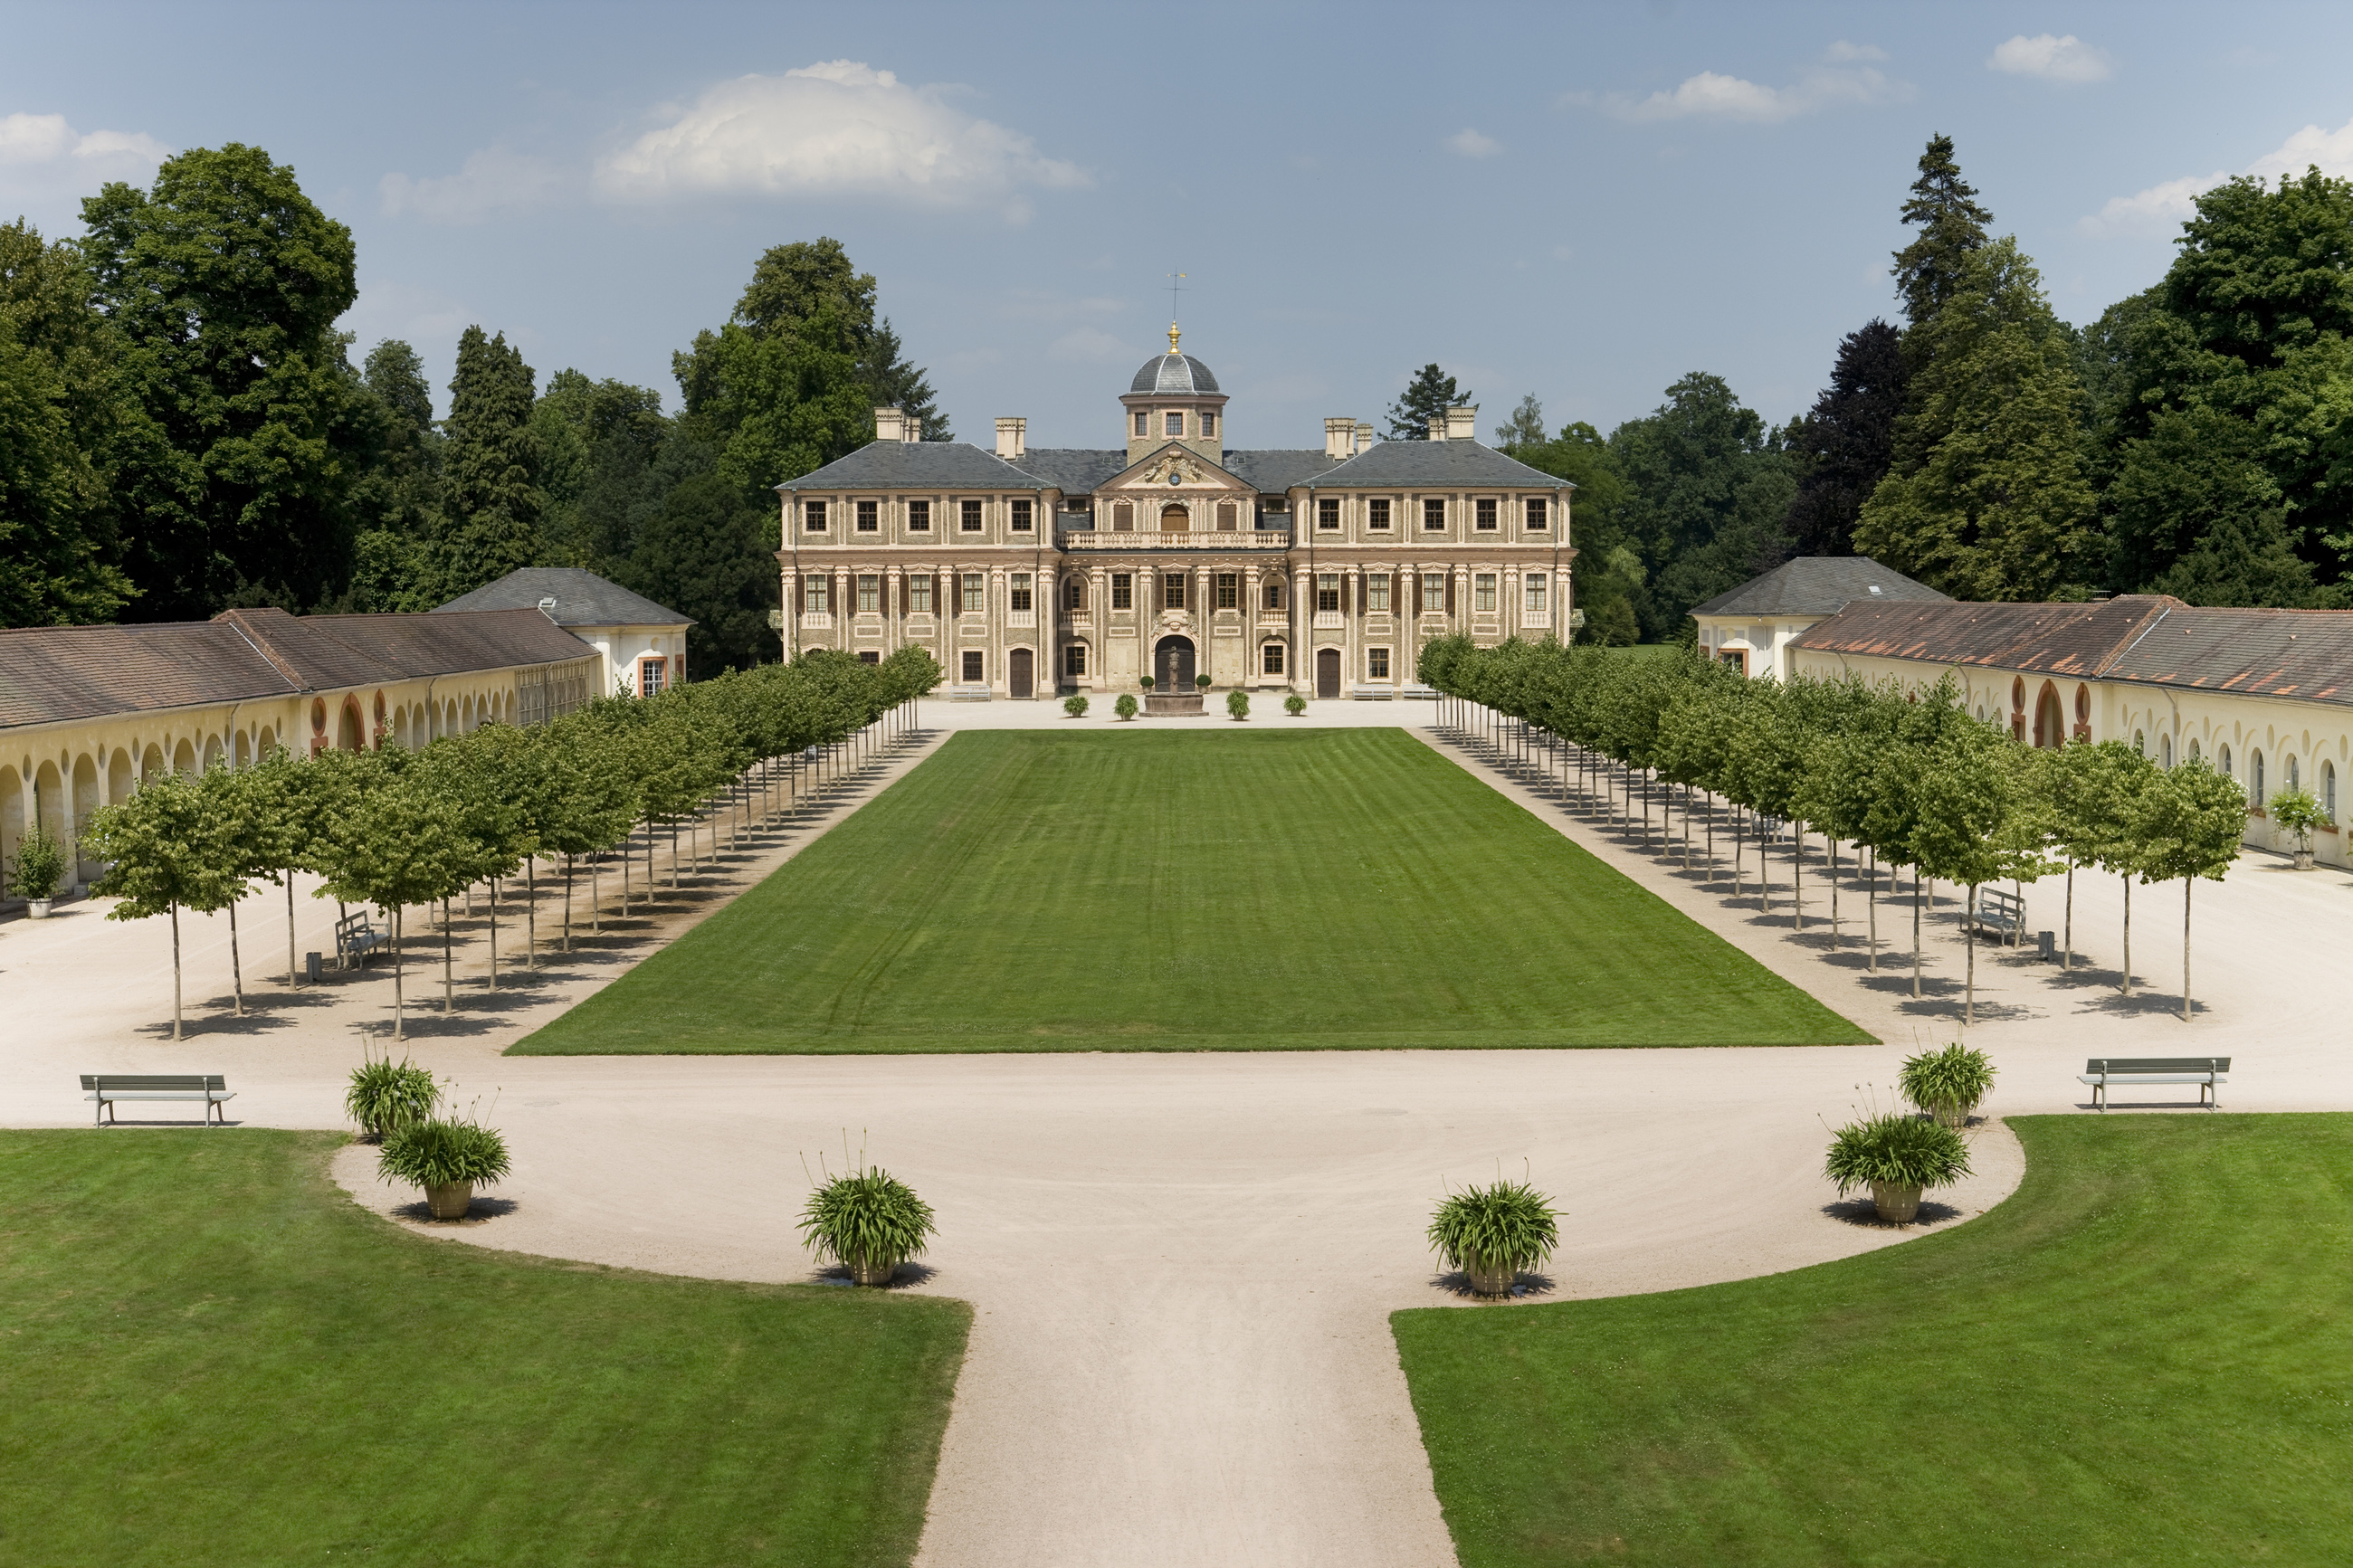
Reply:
x=892 y=382
x=1708 y=486
x=492 y=526
x=1942 y=206
x=1846 y=443
x=597 y=443
x=225 y=282
x=1525 y=427
x=1426 y=397
x=398 y=500
x=706 y=550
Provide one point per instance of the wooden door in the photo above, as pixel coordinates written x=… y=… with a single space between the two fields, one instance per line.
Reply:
x=1019 y=674
x=1327 y=672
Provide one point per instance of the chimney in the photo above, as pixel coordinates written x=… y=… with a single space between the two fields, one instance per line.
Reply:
x=1463 y=422
x=1437 y=426
x=1011 y=433
x=911 y=430
x=886 y=424
x=1339 y=438
x=1363 y=435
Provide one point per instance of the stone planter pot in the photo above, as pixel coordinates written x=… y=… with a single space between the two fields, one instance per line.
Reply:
x=1896 y=1203
x=2304 y=859
x=1489 y=1278
x=871 y=1271
x=449 y=1201
x=37 y=908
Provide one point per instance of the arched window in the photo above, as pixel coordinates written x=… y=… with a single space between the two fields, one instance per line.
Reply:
x=2222 y=761
x=2140 y=743
x=2049 y=728
x=2255 y=775
x=2164 y=750
x=2290 y=772
x=2328 y=790
x=2193 y=748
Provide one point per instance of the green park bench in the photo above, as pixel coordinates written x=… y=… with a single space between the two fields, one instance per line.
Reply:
x=2205 y=1071
x=107 y=1088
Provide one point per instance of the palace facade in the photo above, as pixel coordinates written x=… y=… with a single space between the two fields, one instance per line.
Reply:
x=1029 y=569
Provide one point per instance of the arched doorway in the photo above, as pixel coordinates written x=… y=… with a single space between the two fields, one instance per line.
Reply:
x=1174 y=518
x=1172 y=664
x=347 y=728
x=1020 y=673
x=1327 y=672
x=2049 y=722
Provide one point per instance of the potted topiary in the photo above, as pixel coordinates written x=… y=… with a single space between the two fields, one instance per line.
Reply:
x=1145 y=682
x=2295 y=810
x=870 y=1222
x=1200 y=683
x=447 y=1159
x=386 y=1095
x=1896 y=1157
x=1076 y=707
x=40 y=866
x=1125 y=706
x=1237 y=703
x=1493 y=1233
x=1294 y=705
x=1946 y=1084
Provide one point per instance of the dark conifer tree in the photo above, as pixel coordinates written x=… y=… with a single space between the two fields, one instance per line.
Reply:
x=1428 y=397
x=494 y=501
x=1846 y=441
x=1944 y=207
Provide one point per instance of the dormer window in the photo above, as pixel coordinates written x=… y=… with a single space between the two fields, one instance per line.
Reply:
x=1209 y=424
x=1172 y=424
x=1143 y=423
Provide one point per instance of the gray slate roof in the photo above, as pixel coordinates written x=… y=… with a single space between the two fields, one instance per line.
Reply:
x=894 y=465
x=1272 y=470
x=1435 y=463
x=582 y=599
x=1817 y=586
x=1073 y=470
x=1174 y=373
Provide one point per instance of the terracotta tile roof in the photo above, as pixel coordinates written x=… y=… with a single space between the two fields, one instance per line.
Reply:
x=58 y=674
x=2145 y=638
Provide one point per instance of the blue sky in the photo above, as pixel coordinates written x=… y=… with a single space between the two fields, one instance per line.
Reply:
x=1580 y=202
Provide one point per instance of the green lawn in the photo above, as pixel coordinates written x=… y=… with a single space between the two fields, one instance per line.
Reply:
x=2145 y=1356
x=1169 y=889
x=213 y=1356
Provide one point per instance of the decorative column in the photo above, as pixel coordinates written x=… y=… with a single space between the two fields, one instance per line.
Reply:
x=894 y=619
x=1099 y=622
x=1302 y=636
x=1461 y=619
x=993 y=618
x=1251 y=674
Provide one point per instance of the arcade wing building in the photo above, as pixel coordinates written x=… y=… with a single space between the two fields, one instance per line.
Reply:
x=1030 y=569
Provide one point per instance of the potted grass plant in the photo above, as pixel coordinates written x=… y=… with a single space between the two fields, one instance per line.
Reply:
x=1898 y=1157
x=447 y=1158
x=1237 y=703
x=1125 y=706
x=1493 y=1233
x=385 y=1096
x=1076 y=707
x=1947 y=1084
x=868 y=1220
x=40 y=866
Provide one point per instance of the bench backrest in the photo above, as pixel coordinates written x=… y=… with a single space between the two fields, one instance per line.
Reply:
x=105 y=1080
x=351 y=923
x=1997 y=897
x=2157 y=1064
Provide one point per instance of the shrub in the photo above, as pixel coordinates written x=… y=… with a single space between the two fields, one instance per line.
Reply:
x=441 y=1154
x=1895 y=1151
x=1201 y=682
x=1510 y=1224
x=40 y=865
x=2299 y=813
x=871 y=1217
x=386 y=1095
x=1125 y=706
x=1237 y=703
x=1145 y=682
x=1946 y=1084
x=1076 y=707
x=1294 y=705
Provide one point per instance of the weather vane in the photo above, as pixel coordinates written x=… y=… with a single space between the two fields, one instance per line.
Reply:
x=1175 y=287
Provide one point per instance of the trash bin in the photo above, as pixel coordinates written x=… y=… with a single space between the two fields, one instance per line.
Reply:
x=2046 y=944
x=318 y=970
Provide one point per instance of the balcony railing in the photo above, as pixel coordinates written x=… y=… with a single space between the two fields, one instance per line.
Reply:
x=1209 y=540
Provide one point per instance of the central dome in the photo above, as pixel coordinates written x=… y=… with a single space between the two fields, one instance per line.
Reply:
x=1176 y=373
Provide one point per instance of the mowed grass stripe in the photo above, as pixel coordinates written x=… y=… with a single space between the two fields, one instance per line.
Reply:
x=1213 y=890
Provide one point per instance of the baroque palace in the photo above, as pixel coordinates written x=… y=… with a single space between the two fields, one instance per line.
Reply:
x=1175 y=555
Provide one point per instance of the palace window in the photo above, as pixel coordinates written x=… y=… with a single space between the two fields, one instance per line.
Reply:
x=1270 y=658
x=1172 y=590
x=971 y=517
x=1020 y=602
x=1536 y=600
x=1274 y=598
x=870 y=656
x=1122 y=516
x=1433 y=516
x=1482 y=593
x=919 y=596
x=975 y=671
x=1074 y=593
x=919 y=517
x=649 y=676
x=869 y=593
x=2224 y=758
x=1377 y=514
x=1229 y=590
x=1172 y=424
x=1536 y=518
x=1377 y=594
x=1021 y=517
x=1376 y=664
x=1209 y=424
x=1484 y=513
x=1327 y=592
x=819 y=591
x=2329 y=788
x=1123 y=591
x=1143 y=423
x=813 y=516
x=1328 y=514
x=1433 y=591
x=976 y=593
x=1075 y=658
x=1228 y=516
x=869 y=518
x=2255 y=776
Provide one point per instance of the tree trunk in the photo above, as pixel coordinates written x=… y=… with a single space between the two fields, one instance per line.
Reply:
x=494 y=933
x=1870 y=907
x=1915 y=932
x=1834 y=918
x=1970 y=923
x=449 y=974
x=625 y=878
x=398 y=1029
x=596 y=896
x=2067 y=946
x=1798 y=872
x=531 y=913
x=567 y=903
x=236 y=970
x=1764 y=866
x=290 y=981
x=2186 y=883
x=1739 y=826
x=175 y=971
x=2128 y=934
x=673 y=857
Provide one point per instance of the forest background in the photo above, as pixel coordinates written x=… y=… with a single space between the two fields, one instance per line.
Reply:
x=183 y=428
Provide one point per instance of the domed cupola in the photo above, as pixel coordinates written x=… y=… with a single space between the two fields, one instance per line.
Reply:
x=1175 y=398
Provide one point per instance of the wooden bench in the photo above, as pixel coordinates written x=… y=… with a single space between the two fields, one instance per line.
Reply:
x=2205 y=1071
x=2003 y=915
x=107 y=1088
x=355 y=938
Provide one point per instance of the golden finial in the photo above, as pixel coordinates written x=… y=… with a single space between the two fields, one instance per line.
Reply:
x=1172 y=337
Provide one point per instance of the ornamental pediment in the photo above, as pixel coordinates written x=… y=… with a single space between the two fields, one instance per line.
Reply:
x=1176 y=467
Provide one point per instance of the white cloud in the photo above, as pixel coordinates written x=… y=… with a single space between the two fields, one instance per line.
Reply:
x=2068 y=58
x=834 y=129
x=1093 y=345
x=2162 y=206
x=492 y=180
x=47 y=166
x=1844 y=79
x=1468 y=143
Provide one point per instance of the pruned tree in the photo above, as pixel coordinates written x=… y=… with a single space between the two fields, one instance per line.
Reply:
x=166 y=851
x=2189 y=823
